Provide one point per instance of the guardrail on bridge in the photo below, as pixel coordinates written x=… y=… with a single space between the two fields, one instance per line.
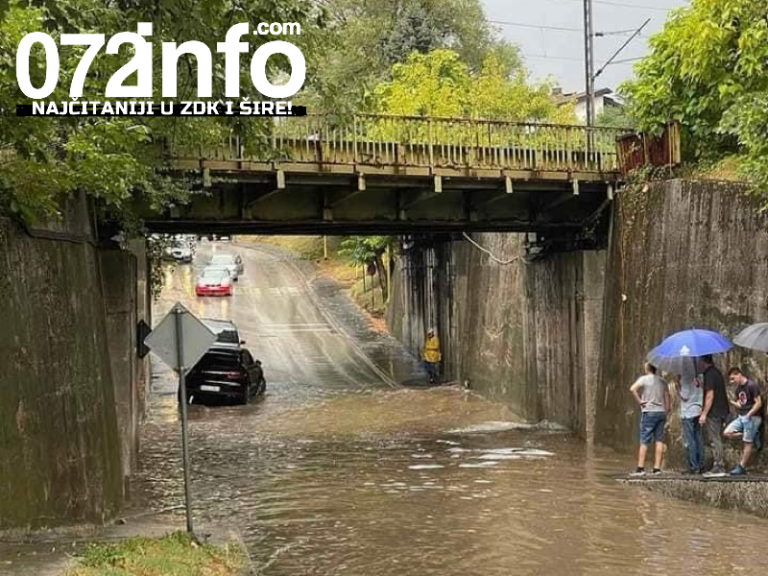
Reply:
x=421 y=142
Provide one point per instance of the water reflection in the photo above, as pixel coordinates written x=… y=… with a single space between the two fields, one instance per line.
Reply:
x=386 y=483
x=333 y=472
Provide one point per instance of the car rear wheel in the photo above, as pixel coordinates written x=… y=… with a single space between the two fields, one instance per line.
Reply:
x=178 y=396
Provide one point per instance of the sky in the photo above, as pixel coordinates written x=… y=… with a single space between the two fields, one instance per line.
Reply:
x=559 y=54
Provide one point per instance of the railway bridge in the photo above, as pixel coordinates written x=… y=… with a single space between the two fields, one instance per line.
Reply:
x=398 y=174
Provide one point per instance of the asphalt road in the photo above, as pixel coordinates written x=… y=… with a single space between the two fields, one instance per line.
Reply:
x=305 y=354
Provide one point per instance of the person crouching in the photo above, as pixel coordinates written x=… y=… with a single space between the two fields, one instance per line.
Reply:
x=749 y=405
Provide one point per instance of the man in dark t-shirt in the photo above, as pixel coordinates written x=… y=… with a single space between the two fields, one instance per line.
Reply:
x=715 y=411
x=749 y=406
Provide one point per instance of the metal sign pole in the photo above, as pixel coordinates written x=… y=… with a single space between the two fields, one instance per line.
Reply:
x=184 y=429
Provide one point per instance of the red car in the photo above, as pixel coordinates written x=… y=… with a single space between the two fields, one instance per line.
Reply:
x=214 y=282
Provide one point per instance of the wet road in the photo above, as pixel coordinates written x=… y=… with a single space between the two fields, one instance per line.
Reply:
x=337 y=472
x=305 y=351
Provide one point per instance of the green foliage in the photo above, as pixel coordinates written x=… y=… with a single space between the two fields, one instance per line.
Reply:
x=706 y=70
x=440 y=84
x=365 y=39
x=363 y=250
x=114 y=160
x=615 y=117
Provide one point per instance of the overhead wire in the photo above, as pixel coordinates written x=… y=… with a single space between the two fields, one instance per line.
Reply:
x=491 y=255
x=617 y=4
x=561 y=28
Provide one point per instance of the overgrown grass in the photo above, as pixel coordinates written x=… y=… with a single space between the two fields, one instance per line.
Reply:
x=172 y=555
x=305 y=247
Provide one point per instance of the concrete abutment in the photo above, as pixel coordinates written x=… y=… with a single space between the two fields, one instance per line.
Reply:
x=562 y=339
x=71 y=385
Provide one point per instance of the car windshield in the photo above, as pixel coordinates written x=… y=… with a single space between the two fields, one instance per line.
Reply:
x=223 y=259
x=214 y=273
x=219 y=360
x=225 y=331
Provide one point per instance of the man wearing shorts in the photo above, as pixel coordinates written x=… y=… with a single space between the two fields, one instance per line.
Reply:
x=652 y=395
x=749 y=406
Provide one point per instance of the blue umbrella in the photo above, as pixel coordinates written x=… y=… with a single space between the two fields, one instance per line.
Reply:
x=693 y=342
x=678 y=365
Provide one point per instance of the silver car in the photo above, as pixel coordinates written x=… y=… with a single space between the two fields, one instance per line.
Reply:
x=232 y=262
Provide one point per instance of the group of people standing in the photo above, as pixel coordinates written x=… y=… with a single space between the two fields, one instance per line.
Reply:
x=705 y=409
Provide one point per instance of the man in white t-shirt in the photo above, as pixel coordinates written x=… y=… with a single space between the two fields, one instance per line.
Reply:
x=652 y=395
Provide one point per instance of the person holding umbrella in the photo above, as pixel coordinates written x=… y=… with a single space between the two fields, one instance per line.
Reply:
x=682 y=347
x=715 y=412
x=691 y=396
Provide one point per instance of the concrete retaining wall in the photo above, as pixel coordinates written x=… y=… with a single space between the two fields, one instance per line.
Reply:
x=563 y=339
x=526 y=334
x=119 y=279
x=683 y=254
x=69 y=390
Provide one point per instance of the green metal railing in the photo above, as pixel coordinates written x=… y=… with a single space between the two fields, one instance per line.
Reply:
x=407 y=141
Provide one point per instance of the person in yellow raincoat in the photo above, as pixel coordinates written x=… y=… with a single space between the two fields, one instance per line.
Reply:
x=432 y=356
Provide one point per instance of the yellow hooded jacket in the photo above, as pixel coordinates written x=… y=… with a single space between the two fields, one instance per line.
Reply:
x=431 y=352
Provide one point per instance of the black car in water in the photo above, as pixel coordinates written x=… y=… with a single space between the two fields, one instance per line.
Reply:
x=226 y=372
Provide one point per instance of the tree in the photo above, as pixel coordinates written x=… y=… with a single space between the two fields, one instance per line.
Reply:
x=707 y=71
x=365 y=39
x=615 y=117
x=440 y=84
x=367 y=251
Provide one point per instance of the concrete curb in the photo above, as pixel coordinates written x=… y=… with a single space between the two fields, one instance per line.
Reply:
x=749 y=496
x=52 y=554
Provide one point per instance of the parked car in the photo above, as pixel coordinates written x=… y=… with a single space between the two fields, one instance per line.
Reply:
x=226 y=331
x=214 y=282
x=182 y=254
x=232 y=262
x=228 y=372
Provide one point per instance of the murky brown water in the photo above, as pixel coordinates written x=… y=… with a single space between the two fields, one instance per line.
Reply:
x=366 y=480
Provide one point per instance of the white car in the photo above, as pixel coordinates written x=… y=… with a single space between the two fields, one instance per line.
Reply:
x=182 y=254
x=232 y=262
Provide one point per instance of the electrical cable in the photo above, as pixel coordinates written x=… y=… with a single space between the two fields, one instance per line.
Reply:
x=618 y=4
x=536 y=26
x=562 y=28
x=490 y=254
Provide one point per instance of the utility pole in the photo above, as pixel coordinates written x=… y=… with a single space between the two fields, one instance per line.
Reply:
x=589 y=61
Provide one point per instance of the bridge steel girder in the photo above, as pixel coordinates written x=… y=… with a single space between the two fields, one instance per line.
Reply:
x=244 y=197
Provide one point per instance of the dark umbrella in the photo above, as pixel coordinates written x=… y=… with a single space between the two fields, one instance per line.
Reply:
x=754 y=337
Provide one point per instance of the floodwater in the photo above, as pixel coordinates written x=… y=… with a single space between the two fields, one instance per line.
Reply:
x=338 y=472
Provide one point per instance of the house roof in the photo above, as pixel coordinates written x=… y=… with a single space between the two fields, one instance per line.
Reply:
x=563 y=98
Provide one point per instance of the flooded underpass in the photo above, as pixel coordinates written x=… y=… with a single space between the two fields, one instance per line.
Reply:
x=337 y=472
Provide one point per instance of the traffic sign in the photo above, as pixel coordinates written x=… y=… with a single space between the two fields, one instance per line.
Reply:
x=196 y=338
x=180 y=340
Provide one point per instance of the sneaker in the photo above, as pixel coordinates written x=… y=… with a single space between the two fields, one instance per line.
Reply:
x=691 y=472
x=716 y=472
x=638 y=473
x=656 y=472
x=738 y=470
